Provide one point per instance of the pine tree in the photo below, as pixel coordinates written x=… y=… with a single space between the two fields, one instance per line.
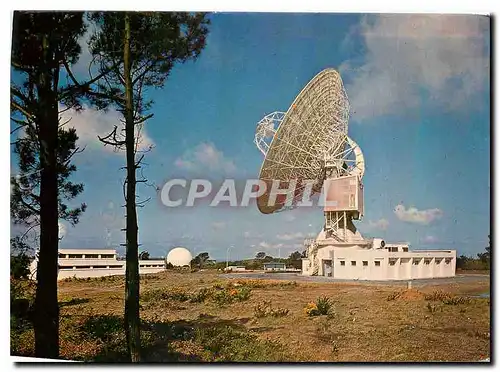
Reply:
x=140 y=49
x=44 y=47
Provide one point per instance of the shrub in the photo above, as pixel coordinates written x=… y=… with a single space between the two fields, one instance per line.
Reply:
x=324 y=305
x=232 y=345
x=447 y=298
x=243 y=293
x=457 y=300
x=437 y=296
x=229 y=295
x=256 y=283
x=393 y=296
x=311 y=309
x=264 y=308
x=202 y=295
x=102 y=327
x=433 y=308
x=260 y=310
x=222 y=297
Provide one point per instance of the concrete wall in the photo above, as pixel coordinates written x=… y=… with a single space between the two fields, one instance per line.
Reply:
x=78 y=272
x=354 y=262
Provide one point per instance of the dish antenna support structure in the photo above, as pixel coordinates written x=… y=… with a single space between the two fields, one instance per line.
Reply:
x=308 y=146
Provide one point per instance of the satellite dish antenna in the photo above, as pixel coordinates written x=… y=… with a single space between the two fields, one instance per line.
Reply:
x=308 y=144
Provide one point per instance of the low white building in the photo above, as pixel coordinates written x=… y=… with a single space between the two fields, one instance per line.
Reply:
x=274 y=266
x=374 y=260
x=87 y=263
x=235 y=268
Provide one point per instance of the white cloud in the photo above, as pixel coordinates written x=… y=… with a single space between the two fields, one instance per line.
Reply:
x=218 y=225
x=205 y=156
x=443 y=56
x=430 y=239
x=267 y=245
x=251 y=235
x=62 y=230
x=291 y=236
x=90 y=124
x=381 y=224
x=413 y=215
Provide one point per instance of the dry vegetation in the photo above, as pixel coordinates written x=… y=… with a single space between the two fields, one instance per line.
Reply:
x=201 y=317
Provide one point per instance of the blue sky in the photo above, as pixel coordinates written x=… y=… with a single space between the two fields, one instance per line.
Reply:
x=419 y=91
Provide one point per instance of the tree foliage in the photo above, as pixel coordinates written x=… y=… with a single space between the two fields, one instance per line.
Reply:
x=260 y=255
x=144 y=255
x=25 y=190
x=482 y=262
x=44 y=46
x=294 y=260
x=200 y=260
x=20 y=258
x=485 y=256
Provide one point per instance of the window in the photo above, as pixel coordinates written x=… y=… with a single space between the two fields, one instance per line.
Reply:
x=438 y=260
x=427 y=261
x=365 y=263
x=115 y=266
x=377 y=263
x=353 y=263
x=405 y=249
x=392 y=262
x=342 y=263
x=447 y=261
x=393 y=249
x=75 y=256
x=66 y=267
x=91 y=256
x=416 y=261
x=107 y=256
x=61 y=255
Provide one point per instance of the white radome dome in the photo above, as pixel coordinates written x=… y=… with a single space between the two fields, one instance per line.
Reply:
x=179 y=257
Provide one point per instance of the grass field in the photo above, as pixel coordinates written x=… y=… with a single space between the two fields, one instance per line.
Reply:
x=202 y=317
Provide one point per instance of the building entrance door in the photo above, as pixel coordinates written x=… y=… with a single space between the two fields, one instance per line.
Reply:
x=327 y=268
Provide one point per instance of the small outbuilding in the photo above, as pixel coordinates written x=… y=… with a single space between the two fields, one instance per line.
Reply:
x=274 y=266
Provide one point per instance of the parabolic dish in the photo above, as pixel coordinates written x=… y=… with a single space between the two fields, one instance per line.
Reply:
x=313 y=130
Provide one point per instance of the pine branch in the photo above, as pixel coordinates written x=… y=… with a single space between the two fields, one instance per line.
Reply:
x=114 y=141
x=21 y=109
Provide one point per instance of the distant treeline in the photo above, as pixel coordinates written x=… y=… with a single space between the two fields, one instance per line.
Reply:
x=481 y=262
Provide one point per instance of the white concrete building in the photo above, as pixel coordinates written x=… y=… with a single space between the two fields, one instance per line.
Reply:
x=374 y=260
x=274 y=266
x=87 y=263
x=235 y=268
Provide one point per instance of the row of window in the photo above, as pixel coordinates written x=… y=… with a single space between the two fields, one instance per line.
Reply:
x=101 y=267
x=365 y=263
x=62 y=255
x=395 y=249
x=392 y=262
x=88 y=267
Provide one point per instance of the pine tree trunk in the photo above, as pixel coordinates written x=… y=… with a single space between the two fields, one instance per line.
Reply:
x=46 y=315
x=132 y=320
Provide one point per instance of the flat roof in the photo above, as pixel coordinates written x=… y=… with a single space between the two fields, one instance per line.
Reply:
x=87 y=251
